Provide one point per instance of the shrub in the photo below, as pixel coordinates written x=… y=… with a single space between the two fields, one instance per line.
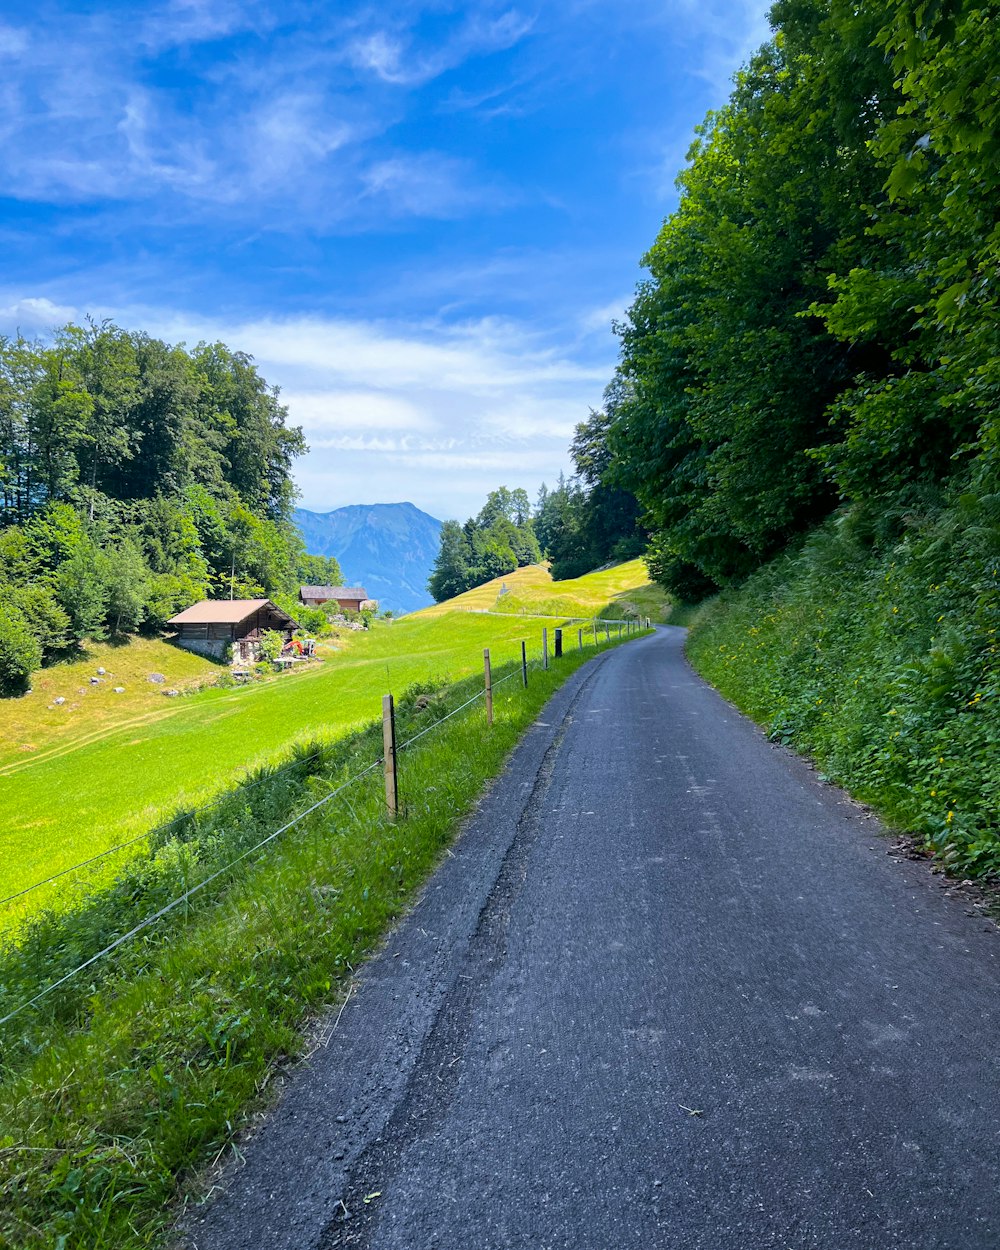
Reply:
x=20 y=650
x=271 y=642
x=43 y=615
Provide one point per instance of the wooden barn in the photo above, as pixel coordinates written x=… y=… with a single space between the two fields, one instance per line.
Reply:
x=214 y=624
x=351 y=598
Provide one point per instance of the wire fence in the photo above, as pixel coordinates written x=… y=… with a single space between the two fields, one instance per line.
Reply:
x=186 y=814
x=392 y=750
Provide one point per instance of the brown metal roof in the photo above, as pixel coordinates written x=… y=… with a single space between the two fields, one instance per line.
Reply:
x=223 y=612
x=333 y=592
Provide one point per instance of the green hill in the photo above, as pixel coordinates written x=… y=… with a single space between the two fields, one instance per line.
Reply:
x=113 y=776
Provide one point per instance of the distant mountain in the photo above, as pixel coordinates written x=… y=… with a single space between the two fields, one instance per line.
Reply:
x=389 y=548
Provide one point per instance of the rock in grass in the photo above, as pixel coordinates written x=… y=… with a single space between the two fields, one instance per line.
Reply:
x=171 y=694
x=59 y=701
x=157 y=678
x=119 y=689
x=101 y=672
x=95 y=681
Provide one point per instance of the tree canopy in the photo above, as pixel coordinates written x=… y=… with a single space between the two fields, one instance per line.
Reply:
x=820 y=321
x=136 y=477
x=497 y=541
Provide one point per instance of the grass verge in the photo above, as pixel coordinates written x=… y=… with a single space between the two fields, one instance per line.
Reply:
x=118 y=1088
x=883 y=663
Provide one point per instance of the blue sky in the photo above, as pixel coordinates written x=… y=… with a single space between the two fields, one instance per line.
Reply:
x=420 y=218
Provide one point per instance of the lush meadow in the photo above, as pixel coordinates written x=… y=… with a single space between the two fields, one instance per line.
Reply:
x=616 y=592
x=118 y=764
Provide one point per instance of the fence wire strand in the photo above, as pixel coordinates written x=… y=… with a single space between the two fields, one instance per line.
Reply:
x=536 y=664
x=166 y=824
x=183 y=898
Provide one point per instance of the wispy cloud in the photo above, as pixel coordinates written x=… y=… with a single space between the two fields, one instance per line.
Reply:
x=396 y=57
x=13 y=40
x=87 y=115
x=428 y=184
x=388 y=402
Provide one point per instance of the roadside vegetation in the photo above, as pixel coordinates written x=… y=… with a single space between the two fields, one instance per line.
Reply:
x=119 y=1086
x=884 y=666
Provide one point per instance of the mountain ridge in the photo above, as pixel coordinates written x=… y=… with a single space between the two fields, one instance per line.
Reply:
x=389 y=548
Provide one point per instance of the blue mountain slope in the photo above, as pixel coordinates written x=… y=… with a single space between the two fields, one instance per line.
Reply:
x=389 y=548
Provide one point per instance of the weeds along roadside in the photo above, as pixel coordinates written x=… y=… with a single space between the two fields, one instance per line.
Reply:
x=882 y=662
x=121 y=1085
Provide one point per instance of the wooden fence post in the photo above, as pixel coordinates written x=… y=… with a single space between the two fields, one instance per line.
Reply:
x=558 y=644
x=607 y=633
x=579 y=639
x=524 y=664
x=389 y=752
x=489 y=685
x=545 y=648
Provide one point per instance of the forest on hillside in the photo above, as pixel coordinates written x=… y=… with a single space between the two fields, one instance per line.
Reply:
x=820 y=325
x=136 y=478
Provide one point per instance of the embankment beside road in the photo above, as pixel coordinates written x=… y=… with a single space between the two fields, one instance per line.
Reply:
x=879 y=658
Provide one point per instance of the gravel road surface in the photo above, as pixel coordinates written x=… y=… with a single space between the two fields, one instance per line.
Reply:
x=668 y=993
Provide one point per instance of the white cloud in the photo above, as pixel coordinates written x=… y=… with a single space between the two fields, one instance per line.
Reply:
x=423 y=185
x=393 y=59
x=183 y=22
x=598 y=320
x=278 y=133
x=383 y=56
x=321 y=411
x=33 y=314
x=433 y=412
x=723 y=34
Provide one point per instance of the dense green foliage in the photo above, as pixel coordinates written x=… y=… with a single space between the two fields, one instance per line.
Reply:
x=884 y=665
x=320 y=571
x=589 y=521
x=135 y=479
x=497 y=541
x=821 y=320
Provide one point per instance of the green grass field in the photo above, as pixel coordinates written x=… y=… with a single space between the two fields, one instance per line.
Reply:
x=120 y=763
x=624 y=589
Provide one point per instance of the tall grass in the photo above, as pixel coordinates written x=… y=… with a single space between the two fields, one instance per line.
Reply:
x=119 y=1087
x=881 y=659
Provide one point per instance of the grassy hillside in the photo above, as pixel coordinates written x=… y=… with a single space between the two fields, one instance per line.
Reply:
x=84 y=791
x=623 y=589
x=881 y=661
x=33 y=725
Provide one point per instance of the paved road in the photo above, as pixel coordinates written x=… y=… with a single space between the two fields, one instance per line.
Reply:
x=670 y=992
